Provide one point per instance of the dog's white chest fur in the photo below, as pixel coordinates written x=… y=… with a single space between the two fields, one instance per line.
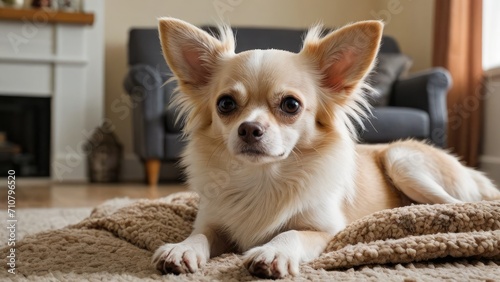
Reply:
x=252 y=204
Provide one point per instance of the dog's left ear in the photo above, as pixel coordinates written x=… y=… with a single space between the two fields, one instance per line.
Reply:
x=346 y=55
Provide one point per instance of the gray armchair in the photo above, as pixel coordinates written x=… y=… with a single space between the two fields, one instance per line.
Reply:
x=417 y=109
x=416 y=106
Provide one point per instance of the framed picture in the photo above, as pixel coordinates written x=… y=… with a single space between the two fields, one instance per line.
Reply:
x=68 y=5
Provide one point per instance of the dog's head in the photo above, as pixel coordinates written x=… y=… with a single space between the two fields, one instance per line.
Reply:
x=263 y=104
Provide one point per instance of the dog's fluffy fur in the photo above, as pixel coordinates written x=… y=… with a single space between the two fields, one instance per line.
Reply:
x=280 y=192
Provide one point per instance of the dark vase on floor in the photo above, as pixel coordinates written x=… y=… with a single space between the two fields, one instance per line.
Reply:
x=104 y=156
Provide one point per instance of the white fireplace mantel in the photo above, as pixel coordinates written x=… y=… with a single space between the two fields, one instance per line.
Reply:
x=65 y=62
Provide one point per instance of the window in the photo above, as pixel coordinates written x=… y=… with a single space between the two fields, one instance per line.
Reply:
x=491 y=34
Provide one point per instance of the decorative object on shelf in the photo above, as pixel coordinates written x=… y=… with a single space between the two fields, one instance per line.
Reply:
x=104 y=155
x=41 y=4
x=12 y=3
x=68 y=5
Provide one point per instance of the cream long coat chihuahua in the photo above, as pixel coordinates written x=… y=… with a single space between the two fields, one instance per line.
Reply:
x=272 y=150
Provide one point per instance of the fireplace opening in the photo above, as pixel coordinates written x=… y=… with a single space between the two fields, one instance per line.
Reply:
x=25 y=135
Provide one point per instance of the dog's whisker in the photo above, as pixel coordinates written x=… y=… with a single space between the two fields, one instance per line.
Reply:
x=316 y=150
x=296 y=156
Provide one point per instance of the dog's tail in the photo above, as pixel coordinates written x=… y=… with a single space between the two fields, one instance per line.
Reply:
x=486 y=188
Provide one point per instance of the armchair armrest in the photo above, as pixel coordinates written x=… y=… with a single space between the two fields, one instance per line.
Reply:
x=143 y=84
x=427 y=91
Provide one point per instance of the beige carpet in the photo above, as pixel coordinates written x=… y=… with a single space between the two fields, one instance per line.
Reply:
x=417 y=243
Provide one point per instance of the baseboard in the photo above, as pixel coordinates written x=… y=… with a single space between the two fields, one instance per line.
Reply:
x=491 y=166
x=69 y=168
x=33 y=181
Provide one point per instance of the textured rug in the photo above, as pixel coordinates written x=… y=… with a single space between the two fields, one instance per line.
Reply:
x=416 y=243
x=35 y=220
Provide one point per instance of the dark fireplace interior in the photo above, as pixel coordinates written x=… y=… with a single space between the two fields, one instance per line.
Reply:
x=25 y=135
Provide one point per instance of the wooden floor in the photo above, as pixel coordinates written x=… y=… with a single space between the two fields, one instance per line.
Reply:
x=47 y=195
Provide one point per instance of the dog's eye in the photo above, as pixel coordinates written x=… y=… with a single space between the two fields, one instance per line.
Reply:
x=226 y=104
x=290 y=105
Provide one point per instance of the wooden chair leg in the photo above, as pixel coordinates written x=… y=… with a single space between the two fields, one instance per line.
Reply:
x=152 y=171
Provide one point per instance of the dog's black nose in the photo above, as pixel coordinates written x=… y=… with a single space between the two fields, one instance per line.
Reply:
x=251 y=132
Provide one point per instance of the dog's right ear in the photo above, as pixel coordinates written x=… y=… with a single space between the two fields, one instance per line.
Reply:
x=191 y=52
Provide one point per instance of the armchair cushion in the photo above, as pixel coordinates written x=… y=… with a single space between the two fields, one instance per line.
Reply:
x=394 y=123
x=388 y=69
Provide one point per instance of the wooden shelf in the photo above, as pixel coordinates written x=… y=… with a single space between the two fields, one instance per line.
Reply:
x=42 y=15
x=52 y=59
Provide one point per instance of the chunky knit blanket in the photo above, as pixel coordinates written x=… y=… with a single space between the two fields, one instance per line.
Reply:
x=420 y=242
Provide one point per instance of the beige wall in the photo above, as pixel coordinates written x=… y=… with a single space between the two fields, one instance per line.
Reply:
x=411 y=23
x=412 y=27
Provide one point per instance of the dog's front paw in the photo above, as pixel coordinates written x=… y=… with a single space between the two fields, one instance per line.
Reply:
x=178 y=258
x=269 y=262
